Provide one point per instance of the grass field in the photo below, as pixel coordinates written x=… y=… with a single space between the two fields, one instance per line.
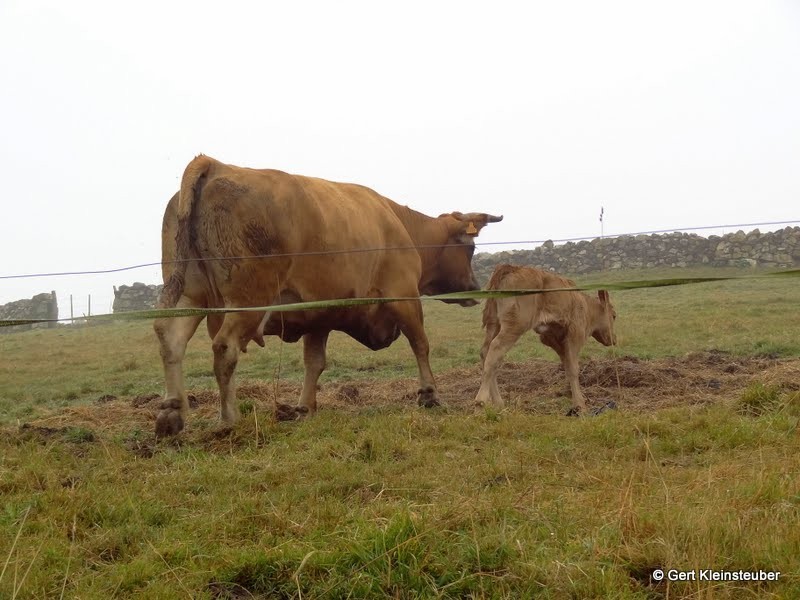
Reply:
x=374 y=497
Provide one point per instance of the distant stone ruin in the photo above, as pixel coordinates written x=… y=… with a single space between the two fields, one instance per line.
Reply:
x=41 y=306
x=138 y=296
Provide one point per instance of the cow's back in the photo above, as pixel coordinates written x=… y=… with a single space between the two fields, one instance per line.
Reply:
x=304 y=228
x=297 y=214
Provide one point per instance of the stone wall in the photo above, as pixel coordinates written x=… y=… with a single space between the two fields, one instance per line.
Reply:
x=779 y=249
x=41 y=306
x=138 y=296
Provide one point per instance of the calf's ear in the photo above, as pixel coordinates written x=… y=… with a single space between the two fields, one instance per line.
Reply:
x=603 y=295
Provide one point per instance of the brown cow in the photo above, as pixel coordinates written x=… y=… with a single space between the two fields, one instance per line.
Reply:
x=564 y=321
x=326 y=240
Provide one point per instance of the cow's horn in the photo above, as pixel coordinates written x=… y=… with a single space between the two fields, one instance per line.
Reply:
x=493 y=219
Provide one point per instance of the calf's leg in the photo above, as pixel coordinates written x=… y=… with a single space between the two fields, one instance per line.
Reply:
x=492 y=329
x=502 y=343
x=572 y=346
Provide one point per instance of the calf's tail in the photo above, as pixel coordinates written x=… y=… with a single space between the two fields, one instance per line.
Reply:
x=495 y=283
x=489 y=313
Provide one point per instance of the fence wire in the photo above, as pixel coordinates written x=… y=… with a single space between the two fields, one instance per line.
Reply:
x=383 y=249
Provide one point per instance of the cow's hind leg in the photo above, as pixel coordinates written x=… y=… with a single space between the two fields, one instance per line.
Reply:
x=173 y=335
x=409 y=317
x=314 y=358
x=236 y=331
x=502 y=343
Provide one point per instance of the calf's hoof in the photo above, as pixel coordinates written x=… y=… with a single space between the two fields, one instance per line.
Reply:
x=575 y=411
x=598 y=410
x=427 y=398
x=170 y=420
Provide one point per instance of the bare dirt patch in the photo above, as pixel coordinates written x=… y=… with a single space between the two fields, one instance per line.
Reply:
x=145 y=400
x=536 y=386
x=633 y=384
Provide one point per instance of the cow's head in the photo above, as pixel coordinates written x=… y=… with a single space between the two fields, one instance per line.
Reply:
x=603 y=330
x=452 y=271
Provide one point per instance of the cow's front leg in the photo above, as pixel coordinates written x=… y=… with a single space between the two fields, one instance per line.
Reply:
x=173 y=335
x=314 y=358
x=409 y=317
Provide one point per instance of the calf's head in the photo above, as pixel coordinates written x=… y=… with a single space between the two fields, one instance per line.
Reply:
x=603 y=320
x=452 y=268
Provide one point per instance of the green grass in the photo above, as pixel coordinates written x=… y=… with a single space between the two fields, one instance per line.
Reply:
x=411 y=504
x=400 y=502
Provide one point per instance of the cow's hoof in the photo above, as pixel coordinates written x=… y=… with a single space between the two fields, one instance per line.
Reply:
x=169 y=422
x=427 y=398
x=220 y=431
x=287 y=412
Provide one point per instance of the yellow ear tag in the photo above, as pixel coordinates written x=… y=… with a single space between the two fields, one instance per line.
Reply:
x=471 y=229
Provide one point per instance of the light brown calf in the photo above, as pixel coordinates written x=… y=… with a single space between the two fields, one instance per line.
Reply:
x=564 y=321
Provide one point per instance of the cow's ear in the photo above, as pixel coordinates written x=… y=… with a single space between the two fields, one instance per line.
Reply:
x=456 y=228
x=472 y=223
x=603 y=295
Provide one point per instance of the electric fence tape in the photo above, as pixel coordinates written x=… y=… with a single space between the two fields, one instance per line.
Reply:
x=159 y=313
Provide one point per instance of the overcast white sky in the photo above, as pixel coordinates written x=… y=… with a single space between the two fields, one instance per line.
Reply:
x=669 y=114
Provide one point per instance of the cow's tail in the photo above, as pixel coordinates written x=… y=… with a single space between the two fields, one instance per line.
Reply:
x=495 y=283
x=191 y=186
